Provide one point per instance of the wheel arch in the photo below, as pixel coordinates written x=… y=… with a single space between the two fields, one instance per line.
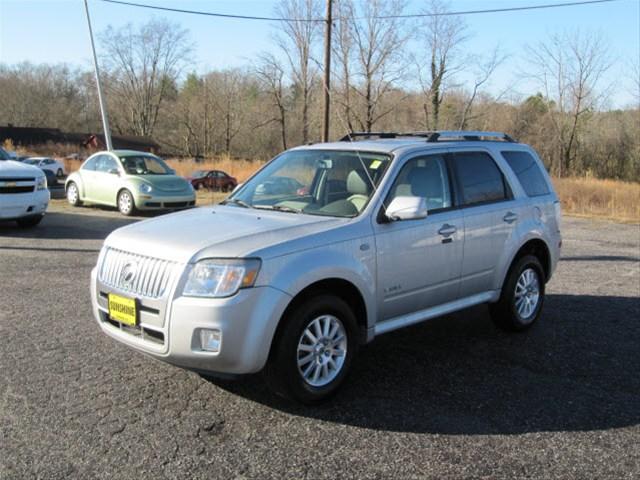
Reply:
x=538 y=248
x=340 y=287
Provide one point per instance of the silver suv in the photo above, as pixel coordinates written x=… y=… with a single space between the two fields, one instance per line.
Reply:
x=329 y=245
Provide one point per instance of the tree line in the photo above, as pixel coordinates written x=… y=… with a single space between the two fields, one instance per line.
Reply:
x=389 y=73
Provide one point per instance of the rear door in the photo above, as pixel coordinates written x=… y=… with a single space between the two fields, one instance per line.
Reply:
x=490 y=216
x=419 y=261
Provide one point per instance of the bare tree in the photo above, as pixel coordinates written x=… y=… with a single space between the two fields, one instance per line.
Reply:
x=343 y=51
x=142 y=68
x=442 y=37
x=378 y=38
x=484 y=69
x=297 y=40
x=271 y=76
x=569 y=68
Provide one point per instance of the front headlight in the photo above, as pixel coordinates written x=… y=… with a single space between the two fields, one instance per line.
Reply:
x=220 y=277
x=41 y=183
x=145 y=188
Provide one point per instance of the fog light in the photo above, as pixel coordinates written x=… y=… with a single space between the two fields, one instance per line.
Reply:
x=210 y=340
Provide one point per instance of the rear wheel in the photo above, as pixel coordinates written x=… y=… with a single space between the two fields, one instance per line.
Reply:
x=28 y=222
x=126 y=204
x=73 y=195
x=313 y=351
x=522 y=296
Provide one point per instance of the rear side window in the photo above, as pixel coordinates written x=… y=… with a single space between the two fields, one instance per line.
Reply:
x=480 y=178
x=528 y=172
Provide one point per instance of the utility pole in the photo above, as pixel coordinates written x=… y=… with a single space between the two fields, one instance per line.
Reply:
x=103 y=108
x=327 y=72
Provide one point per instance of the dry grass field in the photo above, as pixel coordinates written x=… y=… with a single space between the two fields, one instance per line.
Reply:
x=591 y=197
x=594 y=197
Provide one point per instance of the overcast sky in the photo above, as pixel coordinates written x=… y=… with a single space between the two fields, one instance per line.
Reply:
x=55 y=31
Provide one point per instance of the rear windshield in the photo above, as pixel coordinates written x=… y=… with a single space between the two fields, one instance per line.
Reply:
x=528 y=172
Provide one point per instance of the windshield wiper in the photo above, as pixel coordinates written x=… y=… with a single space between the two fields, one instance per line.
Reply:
x=278 y=208
x=236 y=201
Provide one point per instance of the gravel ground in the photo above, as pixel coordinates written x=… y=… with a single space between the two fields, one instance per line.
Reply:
x=453 y=397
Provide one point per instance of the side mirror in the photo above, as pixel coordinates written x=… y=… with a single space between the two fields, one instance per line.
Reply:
x=407 y=208
x=172 y=171
x=114 y=171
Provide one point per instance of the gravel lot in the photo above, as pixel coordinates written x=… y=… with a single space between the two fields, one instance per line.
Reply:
x=450 y=398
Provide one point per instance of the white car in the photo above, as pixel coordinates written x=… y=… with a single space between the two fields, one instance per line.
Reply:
x=47 y=163
x=24 y=196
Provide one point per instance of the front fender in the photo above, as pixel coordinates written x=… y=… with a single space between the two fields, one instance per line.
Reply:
x=345 y=261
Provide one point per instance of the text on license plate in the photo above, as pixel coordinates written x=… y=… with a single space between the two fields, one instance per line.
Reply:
x=123 y=309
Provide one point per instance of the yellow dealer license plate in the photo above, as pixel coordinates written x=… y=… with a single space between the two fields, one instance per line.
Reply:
x=123 y=309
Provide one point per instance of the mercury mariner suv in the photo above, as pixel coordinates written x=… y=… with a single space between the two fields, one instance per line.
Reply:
x=367 y=235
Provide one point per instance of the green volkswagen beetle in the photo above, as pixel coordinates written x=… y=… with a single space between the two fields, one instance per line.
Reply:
x=129 y=180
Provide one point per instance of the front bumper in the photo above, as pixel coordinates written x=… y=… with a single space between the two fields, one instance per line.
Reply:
x=163 y=202
x=169 y=330
x=18 y=205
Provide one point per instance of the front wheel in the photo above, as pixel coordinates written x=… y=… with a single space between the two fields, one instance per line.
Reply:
x=126 y=204
x=313 y=350
x=522 y=296
x=73 y=195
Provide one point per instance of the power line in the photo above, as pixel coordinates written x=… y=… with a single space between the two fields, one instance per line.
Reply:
x=412 y=15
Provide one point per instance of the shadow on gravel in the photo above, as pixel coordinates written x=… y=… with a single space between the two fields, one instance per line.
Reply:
x=576 y=370
x=66 y=226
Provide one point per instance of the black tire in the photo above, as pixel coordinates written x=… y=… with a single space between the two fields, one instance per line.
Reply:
x=59 y=173
x=126 y=207
x=505 y=313
x=198 y=186
x=73 y=199
x=29 y=222
x=282 y=372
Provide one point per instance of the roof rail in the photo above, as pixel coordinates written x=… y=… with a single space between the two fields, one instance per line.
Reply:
x=434 y=136
x=469 y=135
x=349 y=137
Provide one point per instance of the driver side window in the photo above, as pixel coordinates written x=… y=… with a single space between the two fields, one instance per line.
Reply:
x=425 y=177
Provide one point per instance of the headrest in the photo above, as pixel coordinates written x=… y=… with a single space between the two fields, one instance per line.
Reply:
x=357 y=183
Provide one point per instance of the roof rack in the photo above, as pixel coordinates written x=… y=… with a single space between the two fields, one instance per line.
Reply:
x=434 y=136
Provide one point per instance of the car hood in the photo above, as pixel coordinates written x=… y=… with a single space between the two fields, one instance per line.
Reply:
x=166 y=183
x=13 y=169
x=216 y=231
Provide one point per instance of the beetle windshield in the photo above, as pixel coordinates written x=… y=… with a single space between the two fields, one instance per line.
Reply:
x=199 y=174
x=316 y=182
x=145 y=165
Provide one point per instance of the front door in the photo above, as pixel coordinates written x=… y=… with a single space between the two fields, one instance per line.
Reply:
x=106 y=180
x=419 y=261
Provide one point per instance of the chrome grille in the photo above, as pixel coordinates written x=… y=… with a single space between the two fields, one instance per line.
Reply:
x=136 y=274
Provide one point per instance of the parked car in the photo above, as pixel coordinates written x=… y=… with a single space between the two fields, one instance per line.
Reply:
x=279 y=186
x=23 y=192
x=47 y=163
x=392 y=232
x=129 y=180
x=212 y=180
x=52 y=180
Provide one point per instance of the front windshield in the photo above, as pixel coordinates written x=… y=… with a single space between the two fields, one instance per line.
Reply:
x=145 y=165
x=198 y=174
x=32 y=162
x=317 y=182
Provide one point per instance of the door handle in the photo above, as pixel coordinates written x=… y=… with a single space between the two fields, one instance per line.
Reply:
x=510 y=217
x=447 y=230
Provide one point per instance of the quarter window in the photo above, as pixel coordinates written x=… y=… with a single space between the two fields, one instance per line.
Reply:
x=424 y=177
x=480 y=179
x=528 y=172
